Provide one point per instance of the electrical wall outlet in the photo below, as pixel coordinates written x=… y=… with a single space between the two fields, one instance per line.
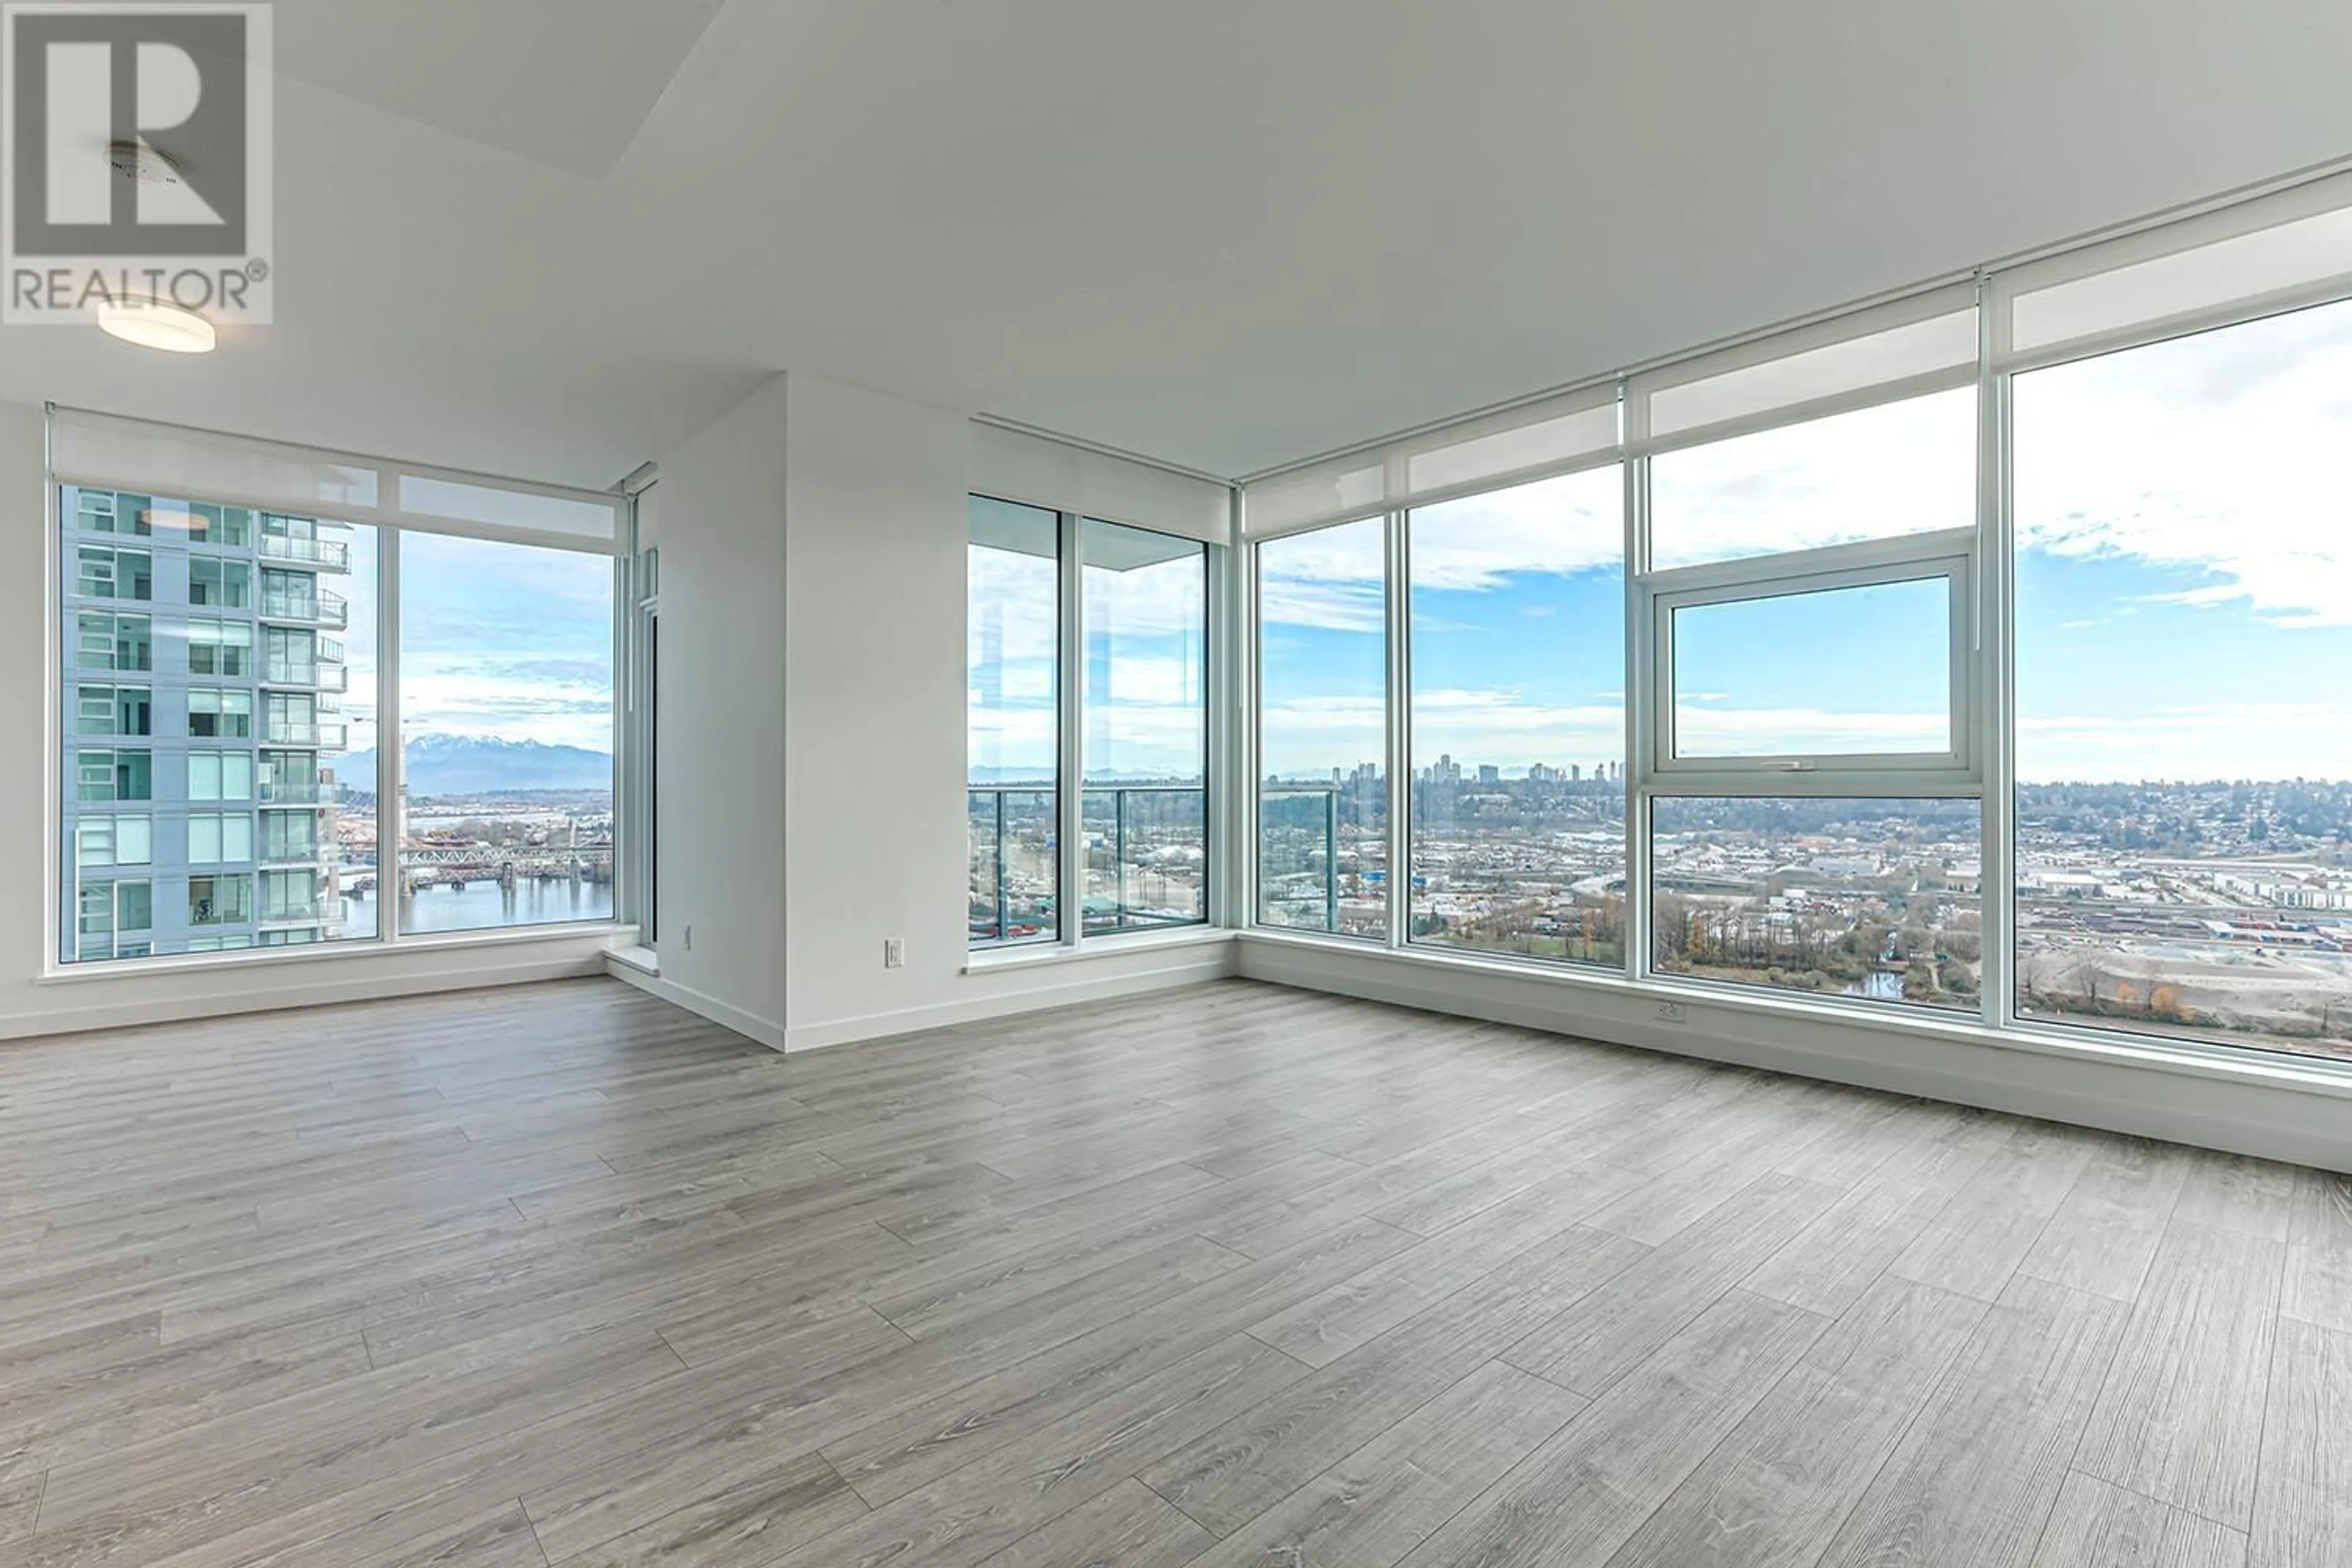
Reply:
x=1672 y=1013
x=894 y=953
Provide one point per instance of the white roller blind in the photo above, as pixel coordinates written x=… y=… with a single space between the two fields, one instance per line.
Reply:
x=1921 y=344
x=1493 y=451
x=2292 y=248
x=107 y=451
x=1015 y=466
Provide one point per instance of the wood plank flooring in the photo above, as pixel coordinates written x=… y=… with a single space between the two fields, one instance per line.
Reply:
x=1238 y=1276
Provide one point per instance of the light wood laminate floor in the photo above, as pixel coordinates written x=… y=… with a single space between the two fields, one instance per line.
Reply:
x=1231 y=1276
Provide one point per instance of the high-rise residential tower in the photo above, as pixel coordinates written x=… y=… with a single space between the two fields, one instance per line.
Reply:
x=200 y=721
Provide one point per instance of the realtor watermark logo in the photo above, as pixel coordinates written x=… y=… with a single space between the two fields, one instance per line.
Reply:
x=134 y=158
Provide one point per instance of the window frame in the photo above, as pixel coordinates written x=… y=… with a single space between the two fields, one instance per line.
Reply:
x=1395 y=610
x=1984 y=765
x=1076 y=593
x=90 y=643
x=1949 y=557
x=1070 y=933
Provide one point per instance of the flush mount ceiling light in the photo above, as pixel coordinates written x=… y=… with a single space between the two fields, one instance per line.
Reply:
x=152 y=324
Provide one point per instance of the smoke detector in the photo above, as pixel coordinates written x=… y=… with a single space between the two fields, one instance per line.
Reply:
x=141 y=164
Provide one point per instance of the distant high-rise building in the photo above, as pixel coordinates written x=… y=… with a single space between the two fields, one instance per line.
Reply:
x=1489 y=775
x=199 y=701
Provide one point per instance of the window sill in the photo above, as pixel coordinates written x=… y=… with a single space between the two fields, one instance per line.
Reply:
x=610 y=933
x=1045 y=952
x=2315 y=1075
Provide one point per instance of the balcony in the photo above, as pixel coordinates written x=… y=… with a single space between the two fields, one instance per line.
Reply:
x=1144 y=863
x=290 y=856
x=328 y=554
x=306 y=794
x=319 y=609
x=310 y=736
x=314 y=676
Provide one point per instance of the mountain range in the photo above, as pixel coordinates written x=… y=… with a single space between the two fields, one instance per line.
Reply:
x=468 y=764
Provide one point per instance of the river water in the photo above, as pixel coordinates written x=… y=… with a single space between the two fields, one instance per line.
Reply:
x=486 y=906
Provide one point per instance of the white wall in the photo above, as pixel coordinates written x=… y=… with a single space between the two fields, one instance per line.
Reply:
x=31 y=1005
x=720 y=760
x=811 y=767
x=874 y=702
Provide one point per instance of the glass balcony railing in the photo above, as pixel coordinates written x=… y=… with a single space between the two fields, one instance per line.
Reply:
x=332 y=552
x=1016 y=846
x=321 y=609
x=296 y=732
x=296 y=792
x=1147 y=857
x=320 y=676
x=1144 y=862
x=1299 y=857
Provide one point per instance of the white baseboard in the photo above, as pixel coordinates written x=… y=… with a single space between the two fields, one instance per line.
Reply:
x=278 y=989
x=751 y=1025
x=2270 y=1113
x=1030 y=991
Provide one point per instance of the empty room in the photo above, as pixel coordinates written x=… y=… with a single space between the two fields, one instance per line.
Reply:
x=1125 y=784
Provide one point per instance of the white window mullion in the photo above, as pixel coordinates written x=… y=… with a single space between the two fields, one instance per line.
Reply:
x=391 y=797
x=1070 y=795
x=1641 y=687
x=1232 y=760
x=1997 y=690
x=1398 y=603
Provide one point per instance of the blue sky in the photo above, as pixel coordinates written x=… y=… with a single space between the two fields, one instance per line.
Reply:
x=502 y=641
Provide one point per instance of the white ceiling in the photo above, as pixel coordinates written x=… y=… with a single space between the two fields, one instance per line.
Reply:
x=553 y=238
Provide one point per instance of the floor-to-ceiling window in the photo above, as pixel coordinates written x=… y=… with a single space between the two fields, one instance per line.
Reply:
x=1983 y=654
x=1095 y=635
x=220 y=746
x=1145 y=610
x=1322 y=730
x=504 y=780
x=1013 y=736
x=1813 y=771
x=2184 y=686
x=1517 y=832
x=241 y=695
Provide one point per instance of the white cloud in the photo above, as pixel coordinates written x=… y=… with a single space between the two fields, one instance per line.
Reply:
x=2227 y=455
